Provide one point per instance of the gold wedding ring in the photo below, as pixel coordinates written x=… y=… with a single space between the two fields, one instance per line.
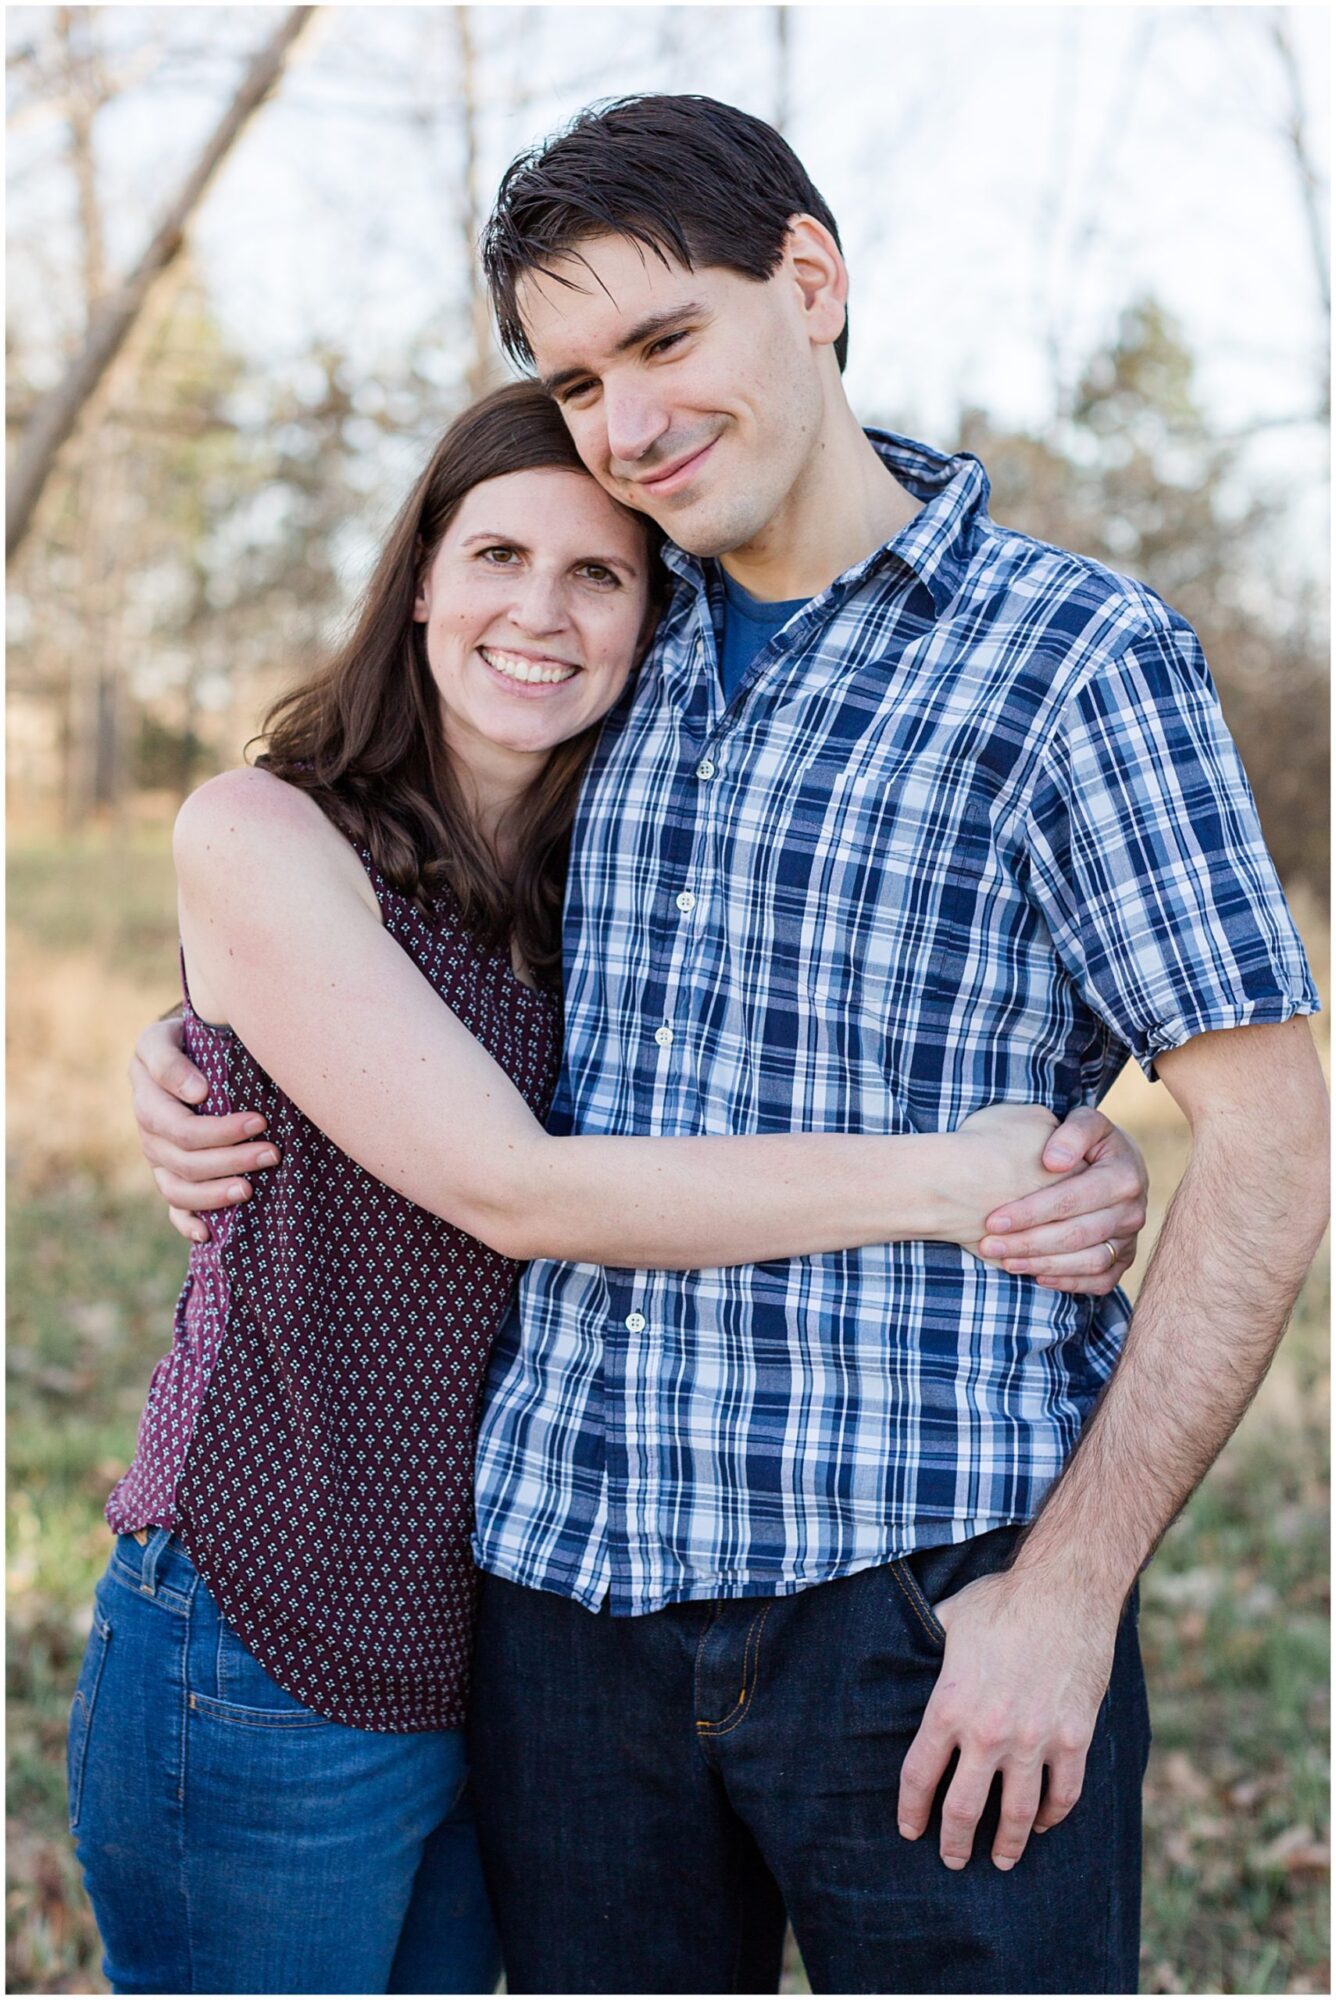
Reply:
x=1113 y=1254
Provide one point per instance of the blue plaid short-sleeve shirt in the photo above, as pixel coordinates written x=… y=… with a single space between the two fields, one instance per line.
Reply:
x=969 y=831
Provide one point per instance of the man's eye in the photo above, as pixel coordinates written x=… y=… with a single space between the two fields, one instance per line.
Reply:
x=668 y=340
x=577 y=390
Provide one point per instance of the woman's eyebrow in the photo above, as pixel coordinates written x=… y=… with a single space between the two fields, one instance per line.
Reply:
x=512 y=542
x=613 y=562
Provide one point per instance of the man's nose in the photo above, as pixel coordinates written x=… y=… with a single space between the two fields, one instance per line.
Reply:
x=635 y=423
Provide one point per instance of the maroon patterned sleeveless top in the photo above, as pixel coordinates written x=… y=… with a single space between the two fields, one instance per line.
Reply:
x=309 y=1437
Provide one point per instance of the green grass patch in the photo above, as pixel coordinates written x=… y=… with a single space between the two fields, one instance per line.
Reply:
x=92 y=1281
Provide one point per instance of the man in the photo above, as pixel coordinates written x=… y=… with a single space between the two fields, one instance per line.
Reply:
x=906 y=813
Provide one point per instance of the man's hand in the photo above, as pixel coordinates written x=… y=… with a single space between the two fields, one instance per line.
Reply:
x=1022 y=1679
x=1029 y=1652
x=1027 y=1663
x=199 y=1163
x=1062 y=1235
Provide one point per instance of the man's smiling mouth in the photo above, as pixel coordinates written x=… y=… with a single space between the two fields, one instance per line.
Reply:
x=676 y=475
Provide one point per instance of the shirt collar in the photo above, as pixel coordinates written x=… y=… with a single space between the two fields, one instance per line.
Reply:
x=935 y=545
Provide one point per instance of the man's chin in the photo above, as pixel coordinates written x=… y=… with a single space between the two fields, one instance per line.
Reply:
x=703 y=534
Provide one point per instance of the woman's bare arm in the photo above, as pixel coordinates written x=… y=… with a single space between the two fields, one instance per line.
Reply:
x=283 y=940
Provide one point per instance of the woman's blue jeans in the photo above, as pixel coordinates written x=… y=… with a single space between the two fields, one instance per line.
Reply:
x=232 y=1841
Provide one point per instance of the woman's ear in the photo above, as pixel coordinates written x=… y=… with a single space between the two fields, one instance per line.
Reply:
x=422 y=595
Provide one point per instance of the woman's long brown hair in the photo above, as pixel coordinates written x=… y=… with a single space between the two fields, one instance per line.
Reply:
x=364 y=736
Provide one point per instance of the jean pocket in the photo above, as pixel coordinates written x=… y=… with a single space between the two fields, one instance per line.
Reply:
x=241 y=1717
x=81 y=1713
x=925 y=1617
x=247 y=1693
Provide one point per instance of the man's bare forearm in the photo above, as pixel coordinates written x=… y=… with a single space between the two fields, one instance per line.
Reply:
x=1234 y=1250
x=1029 y=1650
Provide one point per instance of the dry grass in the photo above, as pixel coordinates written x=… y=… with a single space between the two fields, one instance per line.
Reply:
x=91 y=958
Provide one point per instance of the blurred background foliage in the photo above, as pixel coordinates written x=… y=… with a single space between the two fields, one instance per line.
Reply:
x=200 y=533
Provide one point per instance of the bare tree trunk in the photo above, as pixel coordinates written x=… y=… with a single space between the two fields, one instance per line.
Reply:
x=85 y=101
x=1309 y=178
x=482 y=368
x=93 y=686
x=782 y=69
x=58 y=412
x=95 y=771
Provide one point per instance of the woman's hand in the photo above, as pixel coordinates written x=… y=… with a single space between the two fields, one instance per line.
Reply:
x=199 y=1163
x=1079 y=1189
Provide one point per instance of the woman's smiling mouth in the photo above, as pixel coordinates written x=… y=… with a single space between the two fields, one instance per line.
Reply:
x=522 y=671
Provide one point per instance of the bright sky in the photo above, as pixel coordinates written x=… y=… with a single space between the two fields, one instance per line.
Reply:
x=1005 y=179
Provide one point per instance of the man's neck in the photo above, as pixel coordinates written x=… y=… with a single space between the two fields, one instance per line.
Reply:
x=846 y=504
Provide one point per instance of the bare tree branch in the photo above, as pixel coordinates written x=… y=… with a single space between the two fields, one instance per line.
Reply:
x=141 y=66
x=782 y=67
x=1100 y=178
x=59 y=411
x=1311 y=186
x=482 y=368
x=76 y=30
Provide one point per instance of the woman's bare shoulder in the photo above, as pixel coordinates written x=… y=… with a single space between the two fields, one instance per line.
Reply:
x=236 y=803
x=255 y=824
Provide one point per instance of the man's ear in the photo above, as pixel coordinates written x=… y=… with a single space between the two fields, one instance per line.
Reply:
x=814 y=259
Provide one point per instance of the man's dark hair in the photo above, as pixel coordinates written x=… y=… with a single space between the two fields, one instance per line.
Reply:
x=688 y=177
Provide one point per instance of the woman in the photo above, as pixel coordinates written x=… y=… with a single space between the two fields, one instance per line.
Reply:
x=266 y=1769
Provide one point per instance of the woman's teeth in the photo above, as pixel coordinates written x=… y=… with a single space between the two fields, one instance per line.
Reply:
x=516 y=668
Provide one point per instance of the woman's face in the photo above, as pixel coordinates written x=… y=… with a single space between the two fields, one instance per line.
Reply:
x=535 y=606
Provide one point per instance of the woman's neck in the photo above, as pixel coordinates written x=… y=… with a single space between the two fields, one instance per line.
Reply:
x=491 y=781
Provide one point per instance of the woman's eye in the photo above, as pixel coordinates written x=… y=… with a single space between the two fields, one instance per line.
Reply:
x=501 y=556
x=599 y=573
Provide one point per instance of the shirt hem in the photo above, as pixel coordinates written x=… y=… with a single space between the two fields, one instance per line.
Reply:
x=928 y=1534
x=444 y=1710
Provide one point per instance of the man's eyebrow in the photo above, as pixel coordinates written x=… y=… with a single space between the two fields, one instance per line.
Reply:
x=667 y=319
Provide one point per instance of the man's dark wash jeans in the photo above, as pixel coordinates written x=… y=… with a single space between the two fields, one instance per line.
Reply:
x=656 y=1793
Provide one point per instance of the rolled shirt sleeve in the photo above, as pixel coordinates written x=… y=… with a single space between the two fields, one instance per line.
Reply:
x=1147 y=858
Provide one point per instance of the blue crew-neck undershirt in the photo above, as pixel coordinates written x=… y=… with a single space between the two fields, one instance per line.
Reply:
x=748 y=623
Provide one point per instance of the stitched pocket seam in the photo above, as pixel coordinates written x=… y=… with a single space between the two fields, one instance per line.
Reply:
x=255 y=1718
x=87 y=1702
x=918 y=1603
x=751 y=1665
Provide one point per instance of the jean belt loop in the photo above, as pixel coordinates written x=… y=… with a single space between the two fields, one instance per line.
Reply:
x=154 y=1551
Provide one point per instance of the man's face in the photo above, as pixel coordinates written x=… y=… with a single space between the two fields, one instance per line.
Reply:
x=693 y=396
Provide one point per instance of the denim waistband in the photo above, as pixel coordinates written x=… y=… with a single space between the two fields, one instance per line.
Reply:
x=158 y=1568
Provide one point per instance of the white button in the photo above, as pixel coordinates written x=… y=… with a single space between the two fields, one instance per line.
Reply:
x=686 y=902
x=705 y=769
x=635 y=1322
x=663 y=1036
